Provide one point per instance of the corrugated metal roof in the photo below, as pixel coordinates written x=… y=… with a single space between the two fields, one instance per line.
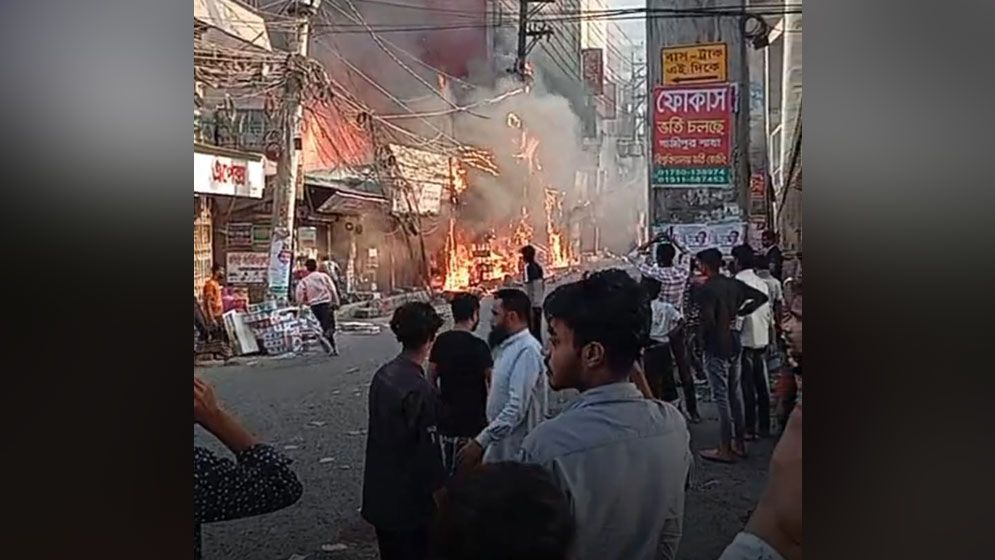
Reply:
x=234 y=19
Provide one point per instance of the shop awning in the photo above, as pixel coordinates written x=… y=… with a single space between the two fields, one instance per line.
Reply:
x=344 y=191
x=233 y=19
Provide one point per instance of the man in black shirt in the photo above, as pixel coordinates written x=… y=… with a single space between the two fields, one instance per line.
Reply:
x=403 y=465
x=722 y=300
x=460 y=364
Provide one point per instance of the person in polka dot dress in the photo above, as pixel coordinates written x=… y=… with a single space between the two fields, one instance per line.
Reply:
x=258 y=481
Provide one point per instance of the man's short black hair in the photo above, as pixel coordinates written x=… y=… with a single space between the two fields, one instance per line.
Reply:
x=414 y=324
x=504 y=511
x=608 y=307
x=215 y=268
x=761 y=262
x=311 y=265
x=651 y=286
x=665 y=253
x=514 y=300
x=464 y=305
x=743 y=255
x=711 y=258
x=529 y=253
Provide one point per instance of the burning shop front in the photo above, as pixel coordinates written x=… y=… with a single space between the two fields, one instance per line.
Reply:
x=498 y=200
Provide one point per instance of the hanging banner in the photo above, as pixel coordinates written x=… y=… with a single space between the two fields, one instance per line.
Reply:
x=278 y=273
x=694 y=64
x=692 y=136
x=592 y=65
x=698 y=237
x=758 y=195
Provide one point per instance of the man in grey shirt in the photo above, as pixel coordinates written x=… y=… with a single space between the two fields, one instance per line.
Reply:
x=621 y=459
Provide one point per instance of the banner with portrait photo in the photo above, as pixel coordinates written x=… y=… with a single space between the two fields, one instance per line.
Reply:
x=698 y=237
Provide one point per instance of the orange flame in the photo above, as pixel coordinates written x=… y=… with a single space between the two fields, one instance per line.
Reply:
x=493 y=256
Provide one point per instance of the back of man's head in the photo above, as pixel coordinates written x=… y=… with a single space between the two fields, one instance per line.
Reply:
x=608 y=308
x=515 y=300
x=743 y=254
x=529 y=253
x=311 y=265
x=464 y=305
x=761 y=262
x=665 y=253
x=710 y=259
x=415 y=324
x=504 y=511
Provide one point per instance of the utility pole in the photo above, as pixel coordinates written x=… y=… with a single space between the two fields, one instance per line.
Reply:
x=285 y=191
x=524 y=33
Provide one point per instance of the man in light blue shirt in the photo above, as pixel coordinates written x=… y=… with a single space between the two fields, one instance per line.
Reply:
x=622 y=459
x=518 y=398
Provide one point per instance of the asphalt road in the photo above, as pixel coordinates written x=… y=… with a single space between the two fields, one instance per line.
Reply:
x=314 y=408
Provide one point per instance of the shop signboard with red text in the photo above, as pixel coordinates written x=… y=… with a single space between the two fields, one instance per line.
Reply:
x=221 y=175
x=692 y=136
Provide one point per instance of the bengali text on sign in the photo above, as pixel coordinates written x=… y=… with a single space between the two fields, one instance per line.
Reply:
x=692 y=136
x=694 y=64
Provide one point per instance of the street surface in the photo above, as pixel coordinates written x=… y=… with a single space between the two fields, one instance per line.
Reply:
x=315 y=409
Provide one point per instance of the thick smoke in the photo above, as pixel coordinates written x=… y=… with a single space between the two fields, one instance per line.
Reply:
x=546 y=116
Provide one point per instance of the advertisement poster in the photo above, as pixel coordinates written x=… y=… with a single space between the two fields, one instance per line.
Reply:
x=239 y=235
x=592 y=65
x=278 y=272
x=692 y=136
x=698 y=237
x=246 y=267
x=260 y=235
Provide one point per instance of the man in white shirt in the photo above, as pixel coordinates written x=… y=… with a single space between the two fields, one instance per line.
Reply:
x=658 y=357
x=755 y=337
x=518 y=397
x=318 y=291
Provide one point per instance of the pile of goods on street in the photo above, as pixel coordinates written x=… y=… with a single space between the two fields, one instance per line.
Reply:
x=276 y=330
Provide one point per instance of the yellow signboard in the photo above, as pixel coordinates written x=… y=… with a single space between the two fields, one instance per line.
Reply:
x=694 y=64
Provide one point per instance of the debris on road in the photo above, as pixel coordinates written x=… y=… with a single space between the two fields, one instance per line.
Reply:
x=298 y=557
x=316 y=423
x=337 y=547
x=326 y=460
x=358 y=327
x=344 y=467
x=290 y=447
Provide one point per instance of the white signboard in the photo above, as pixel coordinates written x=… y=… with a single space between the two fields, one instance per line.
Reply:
x=228 y=176
x=247 y=267
x=425 y=173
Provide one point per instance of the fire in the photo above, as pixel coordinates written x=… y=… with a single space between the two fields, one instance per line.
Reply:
x=473 y=259
x=459 y=263
x=557 y=251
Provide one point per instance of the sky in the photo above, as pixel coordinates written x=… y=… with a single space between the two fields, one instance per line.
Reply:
x=634 y=28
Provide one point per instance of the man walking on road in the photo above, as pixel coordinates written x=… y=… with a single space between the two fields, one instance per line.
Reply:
x=518 y=397
x=723 y=299
x=755 y=338
x=622 y=460
x=460 y=364
x=674 y=279
x=403 y=465
x=318 y=291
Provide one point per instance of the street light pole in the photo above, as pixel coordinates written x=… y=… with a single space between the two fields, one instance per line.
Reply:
x=285 y=190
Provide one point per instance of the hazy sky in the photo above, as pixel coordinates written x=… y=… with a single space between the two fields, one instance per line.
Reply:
x=634 y=28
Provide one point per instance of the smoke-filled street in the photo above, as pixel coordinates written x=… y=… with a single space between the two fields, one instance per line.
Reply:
x=315 y=409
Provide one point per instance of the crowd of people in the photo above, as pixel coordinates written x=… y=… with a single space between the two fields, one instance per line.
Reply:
x=464 y=460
